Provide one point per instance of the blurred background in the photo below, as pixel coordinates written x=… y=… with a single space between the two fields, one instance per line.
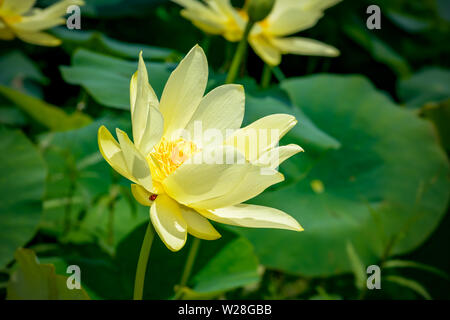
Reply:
x=371 y=188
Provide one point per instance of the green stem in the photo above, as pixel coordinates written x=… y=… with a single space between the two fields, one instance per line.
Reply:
x=266 y=76
x=278 y=73
x=142 y=262
x=240 y=52
x=193 y=250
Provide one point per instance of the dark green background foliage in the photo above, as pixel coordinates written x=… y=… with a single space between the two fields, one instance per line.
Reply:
x=372 y=186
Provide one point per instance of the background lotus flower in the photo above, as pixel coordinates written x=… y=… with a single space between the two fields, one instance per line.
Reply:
x=183 y=194
x=268 y=37
x=19 y=19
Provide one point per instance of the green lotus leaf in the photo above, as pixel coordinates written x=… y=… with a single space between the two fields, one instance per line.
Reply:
x=35 y=281
x=385 y=190
x=22 y=183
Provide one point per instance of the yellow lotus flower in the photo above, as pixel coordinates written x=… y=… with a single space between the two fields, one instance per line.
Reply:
x=268 y=37
x=169 y=162
x=19 y=19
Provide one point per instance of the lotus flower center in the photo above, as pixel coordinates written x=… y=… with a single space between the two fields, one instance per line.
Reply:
x=167 y=156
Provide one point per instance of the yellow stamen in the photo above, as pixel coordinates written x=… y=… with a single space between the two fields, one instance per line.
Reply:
x=167 y=156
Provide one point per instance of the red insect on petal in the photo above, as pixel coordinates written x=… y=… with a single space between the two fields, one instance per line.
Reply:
x=153 y=197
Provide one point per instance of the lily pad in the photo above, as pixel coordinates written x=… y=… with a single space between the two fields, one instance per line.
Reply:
x=21 y=73
x=108 y=221
x=428 y=92
x=17 y=65
x=97 y=41
x=107 y=79
x=385 y=190
x=428 y=85
x=232 y=267
x=77 y=174
x=22 y=182
x=119 y=8
x=305 y=133
x=46 y=114
x=12 y=116
x=35 y=281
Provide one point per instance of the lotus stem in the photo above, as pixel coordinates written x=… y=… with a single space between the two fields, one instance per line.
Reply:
x=266 y=76
x=142 y=262
x=239 y=55
x=193 y=250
